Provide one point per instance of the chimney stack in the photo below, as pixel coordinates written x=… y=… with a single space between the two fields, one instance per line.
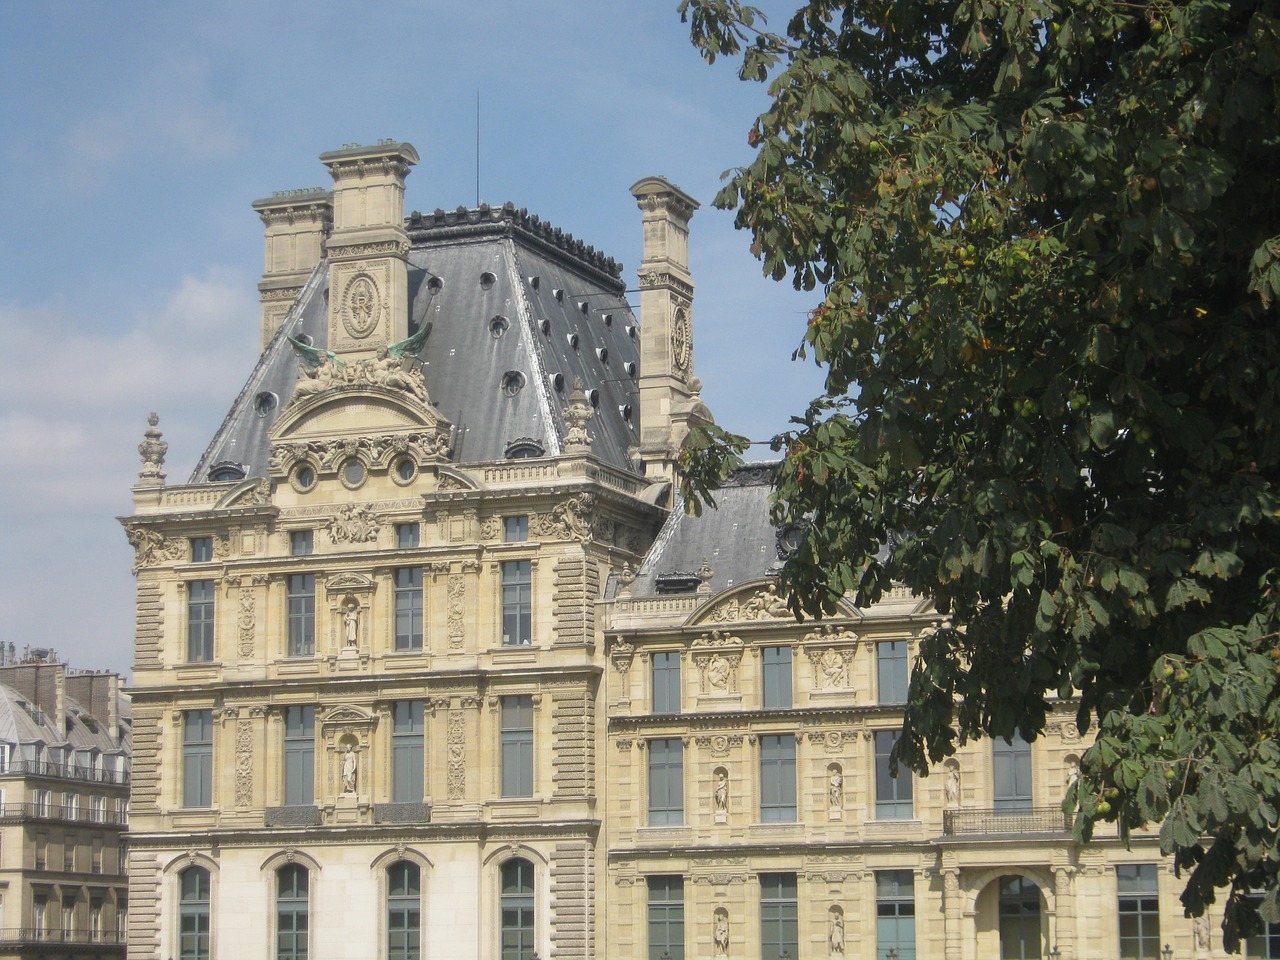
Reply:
x=296 y=222
x=669 y=400
x=368 y=248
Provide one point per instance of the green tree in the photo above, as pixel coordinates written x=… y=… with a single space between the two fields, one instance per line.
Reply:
x=1045 y=240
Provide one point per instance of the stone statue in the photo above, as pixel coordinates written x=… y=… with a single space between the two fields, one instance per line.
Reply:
x=721 y=795
x=835 y=938
x=722 y=935
x=834 y=670
x=1073 y=772
x=351 y=622
x=835 y=790
x=951 y=787
x=1200 y=927
x=350 y=768
x=718 y=671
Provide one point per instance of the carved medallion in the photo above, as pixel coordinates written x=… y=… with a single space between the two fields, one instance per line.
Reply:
x=362 y=306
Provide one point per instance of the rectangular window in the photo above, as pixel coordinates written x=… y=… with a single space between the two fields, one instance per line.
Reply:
x=1139 y=907
x=666 y=782
x=515 y=529
x=893 y=793
x=1011 y=767
x=98 y=809
x=406 y=751
x=407 y=535
x=302 y=614
x=517 y=746
x=777 y=677
x=95 y=921
x=68 y=914
x=43 y=802
x=891 y=671
x=778 y=778
x=197 y=758
x=666 y=918
x=895 y=914
x=299 y=756
x=69 y=853
x=666 y=681
x=779 y=916
x=408 y=600
x=1264 y=945
x=42 y=850
x=95 y=856
x=517 y=602
x=199 y=621
x=201 y=549
x=302 y=542
x=40 y=916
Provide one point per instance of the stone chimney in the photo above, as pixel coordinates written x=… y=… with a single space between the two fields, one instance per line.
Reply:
x=296 y=222
x=368 y=248
x=669 y=400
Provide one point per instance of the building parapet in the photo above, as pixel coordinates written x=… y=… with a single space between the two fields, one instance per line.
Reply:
x=1016 y=823
x=62 y=771
x=40 y=811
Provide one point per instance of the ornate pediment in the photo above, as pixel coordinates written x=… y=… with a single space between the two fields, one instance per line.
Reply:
x=349 y=582
x=253 y=492
x=759 y=602
x=348 y=713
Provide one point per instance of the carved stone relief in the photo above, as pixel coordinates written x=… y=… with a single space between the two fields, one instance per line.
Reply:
x=456 y=610
x=717 y=657
x=457 y=754
x=244 y=763
x=246 y=621
x=354 y=523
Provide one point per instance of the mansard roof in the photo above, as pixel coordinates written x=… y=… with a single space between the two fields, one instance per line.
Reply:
x=520 y=311
x=735 y=538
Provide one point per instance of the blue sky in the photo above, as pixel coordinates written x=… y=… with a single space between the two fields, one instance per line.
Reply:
x=133 y=137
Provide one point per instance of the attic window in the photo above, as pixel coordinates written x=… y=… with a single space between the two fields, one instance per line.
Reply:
x=667 y=583
x=630 y=367
x=608 y=319
x=222 y=472
x=524 y=449
x=435 y=285
x=535 y=282
x=498 y=326
x=603 y=354
x=264 y=403
x=573 y=340
x=557 y=382
x=512 y=382
x=487 y=280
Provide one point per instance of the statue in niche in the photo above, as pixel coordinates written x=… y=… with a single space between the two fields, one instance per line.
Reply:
x=1200 y=927
x=835 y=937
x=350 y=769
x=1073 y=771
x=835 y=789
x=718 y=671
x=722 y=934
x=721 y=794
x=951 y=786
x=351 y=622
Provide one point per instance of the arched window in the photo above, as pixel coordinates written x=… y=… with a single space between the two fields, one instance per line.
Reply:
x=193 y=914
x=1019 y=919
x=291 y=912
x=517 y=910
x=404 y=911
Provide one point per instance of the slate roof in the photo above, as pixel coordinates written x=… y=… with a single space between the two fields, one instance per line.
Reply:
x=506 y=293
x=735 y=537
x=21 y=721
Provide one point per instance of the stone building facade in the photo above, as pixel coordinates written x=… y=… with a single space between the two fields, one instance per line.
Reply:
x=431 y=663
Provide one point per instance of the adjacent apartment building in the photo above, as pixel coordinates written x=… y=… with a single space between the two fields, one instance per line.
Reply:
x=64 y=795
x=431 y=663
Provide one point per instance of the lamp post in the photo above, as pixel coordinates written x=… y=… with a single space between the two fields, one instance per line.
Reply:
x=892 y=954
x=1054 y=954
x=1167 y=952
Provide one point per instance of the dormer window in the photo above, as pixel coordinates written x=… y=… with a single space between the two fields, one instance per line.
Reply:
x=225 y=470
x=668 y=583
x=524 y=449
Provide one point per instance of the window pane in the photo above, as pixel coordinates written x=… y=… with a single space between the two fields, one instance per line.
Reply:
x=517 y=746
x=404 y=911
x=407 y=535
x=517 y=910
x=778 y=778
x=779 y=923
x=1011 y=765
x=193 y=914
x=666 y=918
x=666 y=782
x=1139 y=909
x=666 y=681
x=895 y=914
x=408 y=603
x=891 y=671
x=299 y=755
x=407 y=769
x=302 y=614
x=200 y=621
x=516 y=602
x=777 y=677
x=893 y=794
x=197 y=758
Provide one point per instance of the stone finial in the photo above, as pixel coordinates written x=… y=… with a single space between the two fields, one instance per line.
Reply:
x=705 y=573
x=576 y=417
x=152 y=450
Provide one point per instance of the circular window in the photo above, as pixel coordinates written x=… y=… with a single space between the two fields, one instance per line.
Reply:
x=304 y=478
x=487 y=280
x=404 y=470
x=353 y=473
x=435 y=285
x=264 y=403
x=512 y=382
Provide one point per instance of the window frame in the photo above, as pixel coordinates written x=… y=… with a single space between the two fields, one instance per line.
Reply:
x=197 y=943
x=665 y=681
x=520 y=901
x=898 y=911
x=893 y=676
x=517 y=603
x=665 y=781
x=516 y=726
x=300 y=599
x=779 y=915
x=408 y=769
x=293 y=907
x=408 y=535
x=197 y=759
x=201 y=549
x=408 y=602
x=1138 y=898
x=776 y=672
x=200 y=620
x=665 y=912
x=778 y=801
x=1011 y=763
x=299 y=756
x=894 y=796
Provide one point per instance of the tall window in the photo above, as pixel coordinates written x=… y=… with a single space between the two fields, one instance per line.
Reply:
x=291 y=912
x=517 y=602
x=197 y=758
x=778 y=778
x=777 y=677
x=1011 y=765
x=779 y=916
x=193 y=914
x=302 y=614
x=406 y=751
x=40 y=916
x=408 y=601
x=666 y=681
x=1139 y=907
x=517 y=746
x=891 y=671
x=666 y=918
x=299 y=756
x=1020 y=919
x=199 y=621
x=1264 y=945
x=895 y=914
x=666 y=782
x=407 y=535
x=893 y=793
x=95 y=920
x=404 y=911
x=201 y=549
x=517 y=910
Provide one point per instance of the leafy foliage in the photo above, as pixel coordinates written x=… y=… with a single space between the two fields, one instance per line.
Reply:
x=1045 y=236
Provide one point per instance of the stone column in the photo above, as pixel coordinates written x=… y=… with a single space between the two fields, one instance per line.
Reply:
x=953 y=913
x=1065 y=927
